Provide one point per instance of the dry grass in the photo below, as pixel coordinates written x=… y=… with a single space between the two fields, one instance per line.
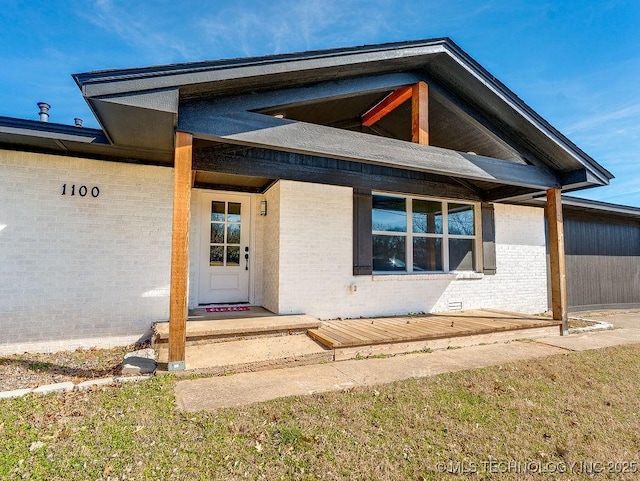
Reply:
x=579 y=323
x=608 y=313
x=569 y=408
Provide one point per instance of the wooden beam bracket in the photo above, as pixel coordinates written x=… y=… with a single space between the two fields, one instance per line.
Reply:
x=386 y=105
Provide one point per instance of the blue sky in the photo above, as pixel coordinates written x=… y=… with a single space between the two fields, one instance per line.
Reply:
x=577 y=63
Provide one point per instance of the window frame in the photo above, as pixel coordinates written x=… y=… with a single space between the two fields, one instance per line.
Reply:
x=409 y=235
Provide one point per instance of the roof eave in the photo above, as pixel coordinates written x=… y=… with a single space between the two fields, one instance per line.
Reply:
x=50 y=130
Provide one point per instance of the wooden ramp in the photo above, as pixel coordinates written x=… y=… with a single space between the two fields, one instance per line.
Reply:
x=352 y=333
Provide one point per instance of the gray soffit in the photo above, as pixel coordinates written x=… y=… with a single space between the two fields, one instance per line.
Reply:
x=438 y=61
x=65 y=139
x=142 y=119
x=593 y=206
x=274 y=71
x=600 y=206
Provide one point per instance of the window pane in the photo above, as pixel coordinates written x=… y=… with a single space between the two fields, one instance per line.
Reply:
x=389 y=253
x=217 y=211
x=234 y=212
x=389 y=214
x=427 y=254
x=216 y=256
x=461 y=255
x=427 y=217
x=233 y=233
x=461 y=219
x=233 y=255
x=217 y=233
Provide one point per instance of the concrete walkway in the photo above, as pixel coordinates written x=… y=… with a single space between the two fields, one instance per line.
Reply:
x=247 y=388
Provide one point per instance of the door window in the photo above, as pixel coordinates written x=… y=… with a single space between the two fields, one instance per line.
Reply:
x=224 y=246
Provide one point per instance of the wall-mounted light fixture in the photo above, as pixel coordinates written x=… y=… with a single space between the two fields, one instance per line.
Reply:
x=263 y=207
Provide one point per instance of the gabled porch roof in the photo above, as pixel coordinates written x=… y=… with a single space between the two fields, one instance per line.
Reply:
x=321 y=95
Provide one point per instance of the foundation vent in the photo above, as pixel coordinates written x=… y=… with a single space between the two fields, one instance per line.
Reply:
x=455 y=305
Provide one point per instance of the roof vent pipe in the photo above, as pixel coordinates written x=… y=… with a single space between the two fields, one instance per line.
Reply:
x=44 y=111
x=78 y=122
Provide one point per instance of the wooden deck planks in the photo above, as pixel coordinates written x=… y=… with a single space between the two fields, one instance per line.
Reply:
x=363 y=332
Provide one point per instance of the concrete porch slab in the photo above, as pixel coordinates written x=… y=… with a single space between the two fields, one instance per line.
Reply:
x=250 y=355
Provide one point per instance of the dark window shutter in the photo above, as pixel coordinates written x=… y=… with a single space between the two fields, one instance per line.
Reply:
x=488 y=239
x=362 y=241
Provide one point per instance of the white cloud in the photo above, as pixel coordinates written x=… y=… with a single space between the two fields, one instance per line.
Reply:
x=138 y=28
x=290 y=25
x=626 y=115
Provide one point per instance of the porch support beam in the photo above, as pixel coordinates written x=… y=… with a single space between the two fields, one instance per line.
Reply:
x=258 y=130
x=509 y=193
x=180 y=251
x=557 y=258
x=386 y=106
x=310 y=169
x=420 y=113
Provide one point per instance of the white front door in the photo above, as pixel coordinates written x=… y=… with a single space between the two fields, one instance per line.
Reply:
x=224 y=256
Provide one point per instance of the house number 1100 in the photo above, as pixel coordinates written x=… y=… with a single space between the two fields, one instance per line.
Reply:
x=81 y=190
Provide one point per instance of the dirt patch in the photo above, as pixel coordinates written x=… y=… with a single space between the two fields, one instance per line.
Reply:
x=30 y=370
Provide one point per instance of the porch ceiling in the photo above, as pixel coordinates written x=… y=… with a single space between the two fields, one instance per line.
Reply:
x=449 y=126
x=223 y=181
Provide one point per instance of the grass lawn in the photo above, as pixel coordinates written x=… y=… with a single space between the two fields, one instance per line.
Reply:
x=575 y=411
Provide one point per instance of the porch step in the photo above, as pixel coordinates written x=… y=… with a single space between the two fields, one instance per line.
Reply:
x=248 y=355
x=212 y=331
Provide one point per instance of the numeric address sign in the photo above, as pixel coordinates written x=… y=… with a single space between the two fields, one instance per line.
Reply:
x=81 y=190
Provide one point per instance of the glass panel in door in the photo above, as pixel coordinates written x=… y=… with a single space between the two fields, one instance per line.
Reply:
x=225 y=228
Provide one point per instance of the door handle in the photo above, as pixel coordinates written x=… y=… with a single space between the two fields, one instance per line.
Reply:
x=246 y=258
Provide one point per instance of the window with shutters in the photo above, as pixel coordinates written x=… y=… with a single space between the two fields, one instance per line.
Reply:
x=416 y=234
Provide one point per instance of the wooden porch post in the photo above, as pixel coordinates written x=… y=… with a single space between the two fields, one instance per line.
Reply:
x=420 y=114
x=180 y=251
x=557 y=259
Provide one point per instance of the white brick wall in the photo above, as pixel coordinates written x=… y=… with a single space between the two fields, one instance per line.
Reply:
x=520 y=283
x=316 y=231
x=257 y=254
x=315 y=261
x=194 y=248
x=74 y=269
x=270 y=246
x=83 y=271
